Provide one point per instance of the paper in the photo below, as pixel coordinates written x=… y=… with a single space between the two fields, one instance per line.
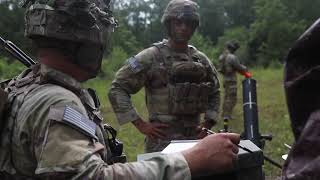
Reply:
x=285 y=156
x=179 y=145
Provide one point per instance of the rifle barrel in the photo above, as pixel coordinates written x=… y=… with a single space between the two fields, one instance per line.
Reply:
x=17 y=52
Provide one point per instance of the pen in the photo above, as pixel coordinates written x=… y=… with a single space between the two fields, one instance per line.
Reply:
x=208 y=131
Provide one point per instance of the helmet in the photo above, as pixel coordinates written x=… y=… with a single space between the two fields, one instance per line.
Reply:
x=232 y=46
x=86 y=24
x=181 y=9
x=87 y=21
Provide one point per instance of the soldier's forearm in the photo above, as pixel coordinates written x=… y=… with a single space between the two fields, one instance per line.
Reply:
x=211 y=114
x=138 y=123
x=169 y=167
x=121 y=103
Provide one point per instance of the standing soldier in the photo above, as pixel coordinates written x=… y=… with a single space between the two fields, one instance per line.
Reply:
x=180 y=83
x=53 y=128
x=229 y=65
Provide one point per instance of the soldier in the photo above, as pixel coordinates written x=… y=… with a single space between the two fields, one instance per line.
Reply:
x=180 y=83
x=53 y=128
x=229 y=65
x=302 y=69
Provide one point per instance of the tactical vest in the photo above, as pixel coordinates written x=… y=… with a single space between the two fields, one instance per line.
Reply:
x=19 y=88
x=186 y=80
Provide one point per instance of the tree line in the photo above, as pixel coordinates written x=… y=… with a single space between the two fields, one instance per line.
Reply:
x=265 y=29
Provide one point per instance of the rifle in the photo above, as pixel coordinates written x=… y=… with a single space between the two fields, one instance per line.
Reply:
x=16 y=52
x=23 y=58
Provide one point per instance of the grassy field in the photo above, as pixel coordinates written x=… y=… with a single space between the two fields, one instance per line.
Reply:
x=273 y=116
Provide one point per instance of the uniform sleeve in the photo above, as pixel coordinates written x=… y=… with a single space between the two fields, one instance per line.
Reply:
x=70 y=153
x=234 y=62
x=129 y=80
x=166 y=167
x=212 y=112
x=304 y=159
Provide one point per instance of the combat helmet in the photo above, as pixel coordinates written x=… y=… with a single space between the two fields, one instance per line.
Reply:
x=87 y=21
x=82 y=27
x=181 y=9
x=232 y=46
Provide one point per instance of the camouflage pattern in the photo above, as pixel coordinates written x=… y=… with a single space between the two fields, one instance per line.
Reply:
x=149 y=69
x=38 y=143
x=80 y=28
x=229 y=65
x=179 y=9
x=87 y=21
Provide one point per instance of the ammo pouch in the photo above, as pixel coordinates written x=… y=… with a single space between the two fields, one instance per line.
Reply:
x=189 y=98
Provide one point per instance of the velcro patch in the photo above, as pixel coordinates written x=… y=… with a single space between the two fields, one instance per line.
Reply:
x=135 y=65
x=79 y=121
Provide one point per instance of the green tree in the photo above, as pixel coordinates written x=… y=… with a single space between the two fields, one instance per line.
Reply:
x=241 y=35
x=203 y=44
x=124 y=38
x=273 y=32
x=213 y=18
x=239 y=13
x=113 y=63
x=12 y=24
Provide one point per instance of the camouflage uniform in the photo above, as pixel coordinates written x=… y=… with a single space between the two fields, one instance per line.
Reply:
x=154 y=69
x=54 y=130
x=229 y=66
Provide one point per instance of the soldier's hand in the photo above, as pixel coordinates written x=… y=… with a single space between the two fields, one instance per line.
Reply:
x=215 y=153
x=152 y=130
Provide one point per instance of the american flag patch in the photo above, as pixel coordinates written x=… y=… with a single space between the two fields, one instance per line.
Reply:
x=79 y=121
x=135 y=65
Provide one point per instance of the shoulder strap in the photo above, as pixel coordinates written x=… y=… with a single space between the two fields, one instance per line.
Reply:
x=17 y=89
x=158 y=53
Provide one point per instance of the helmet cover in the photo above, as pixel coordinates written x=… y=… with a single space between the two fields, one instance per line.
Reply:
x=181 y=9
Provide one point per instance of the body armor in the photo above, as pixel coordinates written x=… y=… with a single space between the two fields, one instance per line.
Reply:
x=25 y=84
x=186 y=83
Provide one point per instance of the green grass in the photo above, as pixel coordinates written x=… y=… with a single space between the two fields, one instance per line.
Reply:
x=273 y=116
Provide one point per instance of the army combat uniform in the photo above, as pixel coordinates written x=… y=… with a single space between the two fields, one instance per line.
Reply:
x=53 y=130
x=229 y=66
x=178 y=88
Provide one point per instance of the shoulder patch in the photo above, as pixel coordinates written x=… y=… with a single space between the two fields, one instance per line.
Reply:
x=80 y=122
x=135 y=65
